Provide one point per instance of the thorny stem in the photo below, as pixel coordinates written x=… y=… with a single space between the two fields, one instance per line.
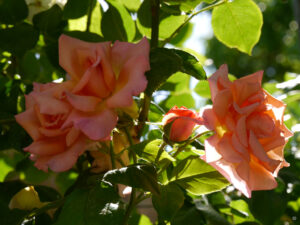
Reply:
x=89 y=18
x=181 y=148
x=131 y=143
x=160 y=151
x=4 y=121
x=155 y=8
x=112 y=155
x=133 y=191
x=130 y=206
x=191 y=17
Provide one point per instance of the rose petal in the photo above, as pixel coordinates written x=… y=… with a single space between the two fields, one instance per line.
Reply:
x=83 y=103
x=227 y=151
x=222 y=103
x=260 y=153
x=72 y=135
x=210 y=119
x=239 y=147
x=75 y=56
x=211 y=154
x=246 y=86
x=246 y=110
x=30 y=123
x=96 y=126
x=49 y=105
x=124 y=51
x=229 y=172
x=219 y=81
x=241 y=131
x=67 y=159
x=132 y=81
x=47 y=146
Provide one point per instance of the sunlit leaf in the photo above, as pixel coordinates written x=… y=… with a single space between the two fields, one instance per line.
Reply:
x=197 y=177
x=238 y=24
x=117 y=23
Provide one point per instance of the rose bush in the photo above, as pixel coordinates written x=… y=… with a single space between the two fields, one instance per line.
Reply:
x=247 y=147
x=104 y=79
x=183 y=122
x=54 y=145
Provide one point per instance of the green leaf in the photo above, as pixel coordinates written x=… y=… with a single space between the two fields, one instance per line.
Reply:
x=211 y=215
x=267 y=206
x=139 y=219
x=8 y=160
x=198 y=177
x=202 y=89
x=187 y=5
x=138 y=176
x=13 y=11
x=117 y=23
x=77 y=8
x=190 y=65
x=169 y=201
x=85 y=36
x=241 y=212
x=81 y=23
x=167 y=25
x=238 y=24
x=183 y=35
x=165 y=62
x=50 y=22
x=149 y=150
x=36 y=67
x=180 y=99
x=18 y=39
x=131 y=5
x=188 y=215
x=90 y=206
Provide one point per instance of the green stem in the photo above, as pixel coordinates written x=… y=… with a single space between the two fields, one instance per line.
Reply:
x=131 y=143
x=89 y=18
x=160 y=151
x=4 y=121
x=188 y=20
x=129 y=207
x=154 y=23
x=181 y=148
x=43 y=209
x=112 y=155
x=144 y=114
x=155 y=8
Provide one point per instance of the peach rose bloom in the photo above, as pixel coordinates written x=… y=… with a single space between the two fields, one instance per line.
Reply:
x=184 y=121
x=46 y=111
x=104 y=79
x=250 y=135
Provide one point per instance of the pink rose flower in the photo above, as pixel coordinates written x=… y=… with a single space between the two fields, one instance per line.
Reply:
x=250 y=135
x=105 y=77
x=46 y=111
x=184 y=121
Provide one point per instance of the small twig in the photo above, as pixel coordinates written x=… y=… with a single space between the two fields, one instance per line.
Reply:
x=191 y=17
x=112 y=155
x=131 y=143
x=160 y=151
x=89 y=18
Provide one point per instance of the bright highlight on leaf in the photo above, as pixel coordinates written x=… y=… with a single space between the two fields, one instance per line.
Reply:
x=238 y=24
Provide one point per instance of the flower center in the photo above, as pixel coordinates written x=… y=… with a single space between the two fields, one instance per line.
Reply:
x=221 y=130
